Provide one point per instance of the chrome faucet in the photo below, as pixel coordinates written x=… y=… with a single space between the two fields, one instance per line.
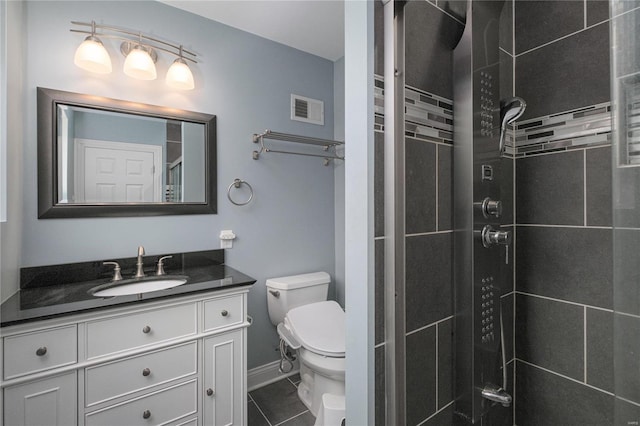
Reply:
x=139 y=264
x=496 y=394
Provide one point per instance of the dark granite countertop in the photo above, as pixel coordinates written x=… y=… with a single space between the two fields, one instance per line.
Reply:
x=57 y=290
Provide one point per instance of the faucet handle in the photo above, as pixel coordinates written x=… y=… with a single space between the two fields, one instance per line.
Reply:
x=117 y=276
x=160 y=269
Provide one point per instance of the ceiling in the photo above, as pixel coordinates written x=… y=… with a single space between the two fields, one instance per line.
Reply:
x=313 y=26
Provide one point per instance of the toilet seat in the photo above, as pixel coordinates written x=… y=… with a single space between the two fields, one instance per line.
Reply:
x=319 y=327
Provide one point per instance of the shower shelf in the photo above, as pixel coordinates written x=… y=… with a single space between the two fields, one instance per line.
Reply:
x=327 y=145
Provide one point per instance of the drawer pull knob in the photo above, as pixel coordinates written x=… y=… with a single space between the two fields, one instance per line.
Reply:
x=41 y=351
x=210 y=392
x=146 y=372
x=224 y=313
x=146 y=329
x=146 y=414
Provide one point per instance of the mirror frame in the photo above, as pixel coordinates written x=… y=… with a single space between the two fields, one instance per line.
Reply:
x=48 y=206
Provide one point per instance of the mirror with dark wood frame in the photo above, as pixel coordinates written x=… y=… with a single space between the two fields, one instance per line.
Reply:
x=101 y=157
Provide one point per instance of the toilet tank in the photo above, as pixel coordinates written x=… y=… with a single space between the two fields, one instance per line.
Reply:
x=286 y=293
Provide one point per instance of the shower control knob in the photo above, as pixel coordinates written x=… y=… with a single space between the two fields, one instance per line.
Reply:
x=492 y=237
x=491 y=208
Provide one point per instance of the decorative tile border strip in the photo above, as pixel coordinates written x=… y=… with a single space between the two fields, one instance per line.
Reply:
x=563 y=131
x=430 y=117
x=427 y=116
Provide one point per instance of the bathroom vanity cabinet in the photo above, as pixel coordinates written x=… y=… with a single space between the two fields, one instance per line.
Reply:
x=175 y=361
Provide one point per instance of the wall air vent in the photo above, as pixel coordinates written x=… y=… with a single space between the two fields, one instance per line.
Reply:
x=307 y=110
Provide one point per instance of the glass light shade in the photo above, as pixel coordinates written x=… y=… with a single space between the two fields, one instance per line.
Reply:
x=139 y=64
x=179 y=75
x=92 y=56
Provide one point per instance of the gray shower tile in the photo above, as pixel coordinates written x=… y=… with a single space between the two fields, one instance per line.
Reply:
x=626 y=356
x=506 y=26
x=597 y=11
x=553 y=78
x=551 y=335
x=544 y=398
x=506 y=190
x=627 y=273
x=421 y=375
x=379 y=291
x=600 y=349
x=505 y=272
x=444 y=417
x=445 y=188
x=506 y=75
x=550 y=189
x=254 y=416
x=378 y=183
x=598 y=173
x=507 y=320
x=573 y=264
x=539 y=22
x=428 y=279
x=420 y=186
x=626 y=413
x=278 y=401
x=430 y=38
x=380 y=407
x=445 y=363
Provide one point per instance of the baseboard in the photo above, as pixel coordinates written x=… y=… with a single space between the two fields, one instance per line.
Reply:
x=268 y=373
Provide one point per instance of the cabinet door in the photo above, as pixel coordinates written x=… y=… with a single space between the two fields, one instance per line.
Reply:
x=49 y=402
x=224 y=379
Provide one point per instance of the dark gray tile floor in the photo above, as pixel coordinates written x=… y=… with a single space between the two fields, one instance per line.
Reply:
x=278 y=404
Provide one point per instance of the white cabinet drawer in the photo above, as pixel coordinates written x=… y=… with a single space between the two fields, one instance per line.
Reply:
x=160 y=407
x=223 y=312
x=108 y=381
x=38 y=351
x=130 y=331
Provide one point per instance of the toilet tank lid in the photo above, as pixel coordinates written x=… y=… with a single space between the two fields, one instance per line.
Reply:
x=298 y=281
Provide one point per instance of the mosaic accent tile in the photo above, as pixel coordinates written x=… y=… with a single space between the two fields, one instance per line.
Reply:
x=430 y=117
x=568 y=130
x=427 y=116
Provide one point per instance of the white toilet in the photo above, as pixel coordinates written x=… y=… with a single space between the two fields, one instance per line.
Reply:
x=306 y=321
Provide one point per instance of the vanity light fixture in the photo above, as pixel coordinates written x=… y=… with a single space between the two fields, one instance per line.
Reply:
x=140 y=51
x=179 y=75
x=91 y=54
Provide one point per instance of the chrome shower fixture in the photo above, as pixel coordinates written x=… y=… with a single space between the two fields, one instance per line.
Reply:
x=510 y=110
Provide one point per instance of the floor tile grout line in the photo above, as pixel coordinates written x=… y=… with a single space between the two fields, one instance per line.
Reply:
x=291 y=418
x=263 y=415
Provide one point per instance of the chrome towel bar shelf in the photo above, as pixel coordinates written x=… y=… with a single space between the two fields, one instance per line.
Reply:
x=327 y=145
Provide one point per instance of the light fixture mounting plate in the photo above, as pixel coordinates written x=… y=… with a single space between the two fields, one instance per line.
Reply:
x=127 y=46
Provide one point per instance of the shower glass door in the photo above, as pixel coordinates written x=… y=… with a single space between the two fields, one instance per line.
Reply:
x=625 y=91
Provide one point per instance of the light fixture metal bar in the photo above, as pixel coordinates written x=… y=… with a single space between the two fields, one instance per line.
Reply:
x=137 y=36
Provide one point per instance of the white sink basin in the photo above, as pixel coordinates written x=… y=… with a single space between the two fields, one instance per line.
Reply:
x=144 y=285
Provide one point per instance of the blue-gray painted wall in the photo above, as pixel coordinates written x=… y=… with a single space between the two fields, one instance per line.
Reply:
x=243 y=79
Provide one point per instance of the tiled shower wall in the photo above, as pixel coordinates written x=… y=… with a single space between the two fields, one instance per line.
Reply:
x=558 y=61
x=431 y=33
x=564 y=261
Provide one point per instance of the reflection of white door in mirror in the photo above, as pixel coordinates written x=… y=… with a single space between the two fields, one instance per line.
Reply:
x=107 y=171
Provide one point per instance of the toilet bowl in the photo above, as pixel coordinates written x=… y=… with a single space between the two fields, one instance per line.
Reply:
x=314 y=327
x=320 y=330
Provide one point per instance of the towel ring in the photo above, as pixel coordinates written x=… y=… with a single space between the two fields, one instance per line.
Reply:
x=238 y=183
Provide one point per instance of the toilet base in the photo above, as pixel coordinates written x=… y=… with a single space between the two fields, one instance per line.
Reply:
x=314 y=385
x=332 y=410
